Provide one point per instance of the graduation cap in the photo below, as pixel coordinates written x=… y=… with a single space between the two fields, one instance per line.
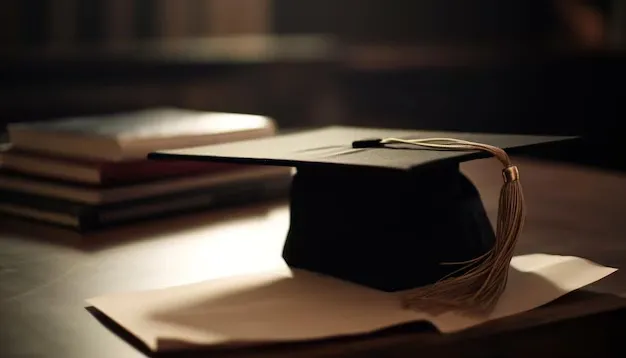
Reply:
x=391 y=210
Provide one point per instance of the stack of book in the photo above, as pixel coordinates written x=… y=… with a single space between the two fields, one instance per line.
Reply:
x=93 y=172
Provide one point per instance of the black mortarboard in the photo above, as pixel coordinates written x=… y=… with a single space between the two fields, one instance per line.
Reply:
x=390 y=209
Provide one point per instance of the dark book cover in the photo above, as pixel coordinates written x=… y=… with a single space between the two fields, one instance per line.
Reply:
x=86 y=217
x=107 y=194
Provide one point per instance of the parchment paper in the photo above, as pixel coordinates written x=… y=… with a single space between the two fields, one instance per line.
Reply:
x=295 y=305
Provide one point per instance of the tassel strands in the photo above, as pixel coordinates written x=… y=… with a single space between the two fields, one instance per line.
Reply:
x=478 y=284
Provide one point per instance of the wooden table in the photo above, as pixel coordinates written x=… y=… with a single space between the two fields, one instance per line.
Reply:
x=47 y=273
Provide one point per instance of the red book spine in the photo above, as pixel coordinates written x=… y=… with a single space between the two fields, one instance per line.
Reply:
x=145 y=170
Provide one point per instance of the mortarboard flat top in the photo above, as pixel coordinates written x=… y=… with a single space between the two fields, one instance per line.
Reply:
x=332 y=146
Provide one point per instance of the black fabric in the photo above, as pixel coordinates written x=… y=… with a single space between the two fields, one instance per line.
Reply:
x=385 y=229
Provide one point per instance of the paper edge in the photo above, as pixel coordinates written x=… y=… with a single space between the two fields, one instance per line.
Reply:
x=154 y=344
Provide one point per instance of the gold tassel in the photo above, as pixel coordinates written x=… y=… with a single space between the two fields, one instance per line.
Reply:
x=484 y=279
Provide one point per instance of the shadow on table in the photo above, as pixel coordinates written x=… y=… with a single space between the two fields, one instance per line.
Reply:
x=560 y=321
x=32 y=230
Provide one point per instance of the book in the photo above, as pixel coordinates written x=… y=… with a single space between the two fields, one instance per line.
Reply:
x=94 y=194
x=132 y=135
x=100 y=172
x=87 y=217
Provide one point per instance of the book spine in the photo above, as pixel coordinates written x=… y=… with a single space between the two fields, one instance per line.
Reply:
x=174 y=18
x=211 y=199
x=145 y=19
x=9 y=18
x=119 y=24
x=91 y=22
x=34 y=22
x=94 y=217
x=62 y=26
x=239 y=17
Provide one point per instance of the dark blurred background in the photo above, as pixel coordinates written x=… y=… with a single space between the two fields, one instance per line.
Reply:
x=529 y=66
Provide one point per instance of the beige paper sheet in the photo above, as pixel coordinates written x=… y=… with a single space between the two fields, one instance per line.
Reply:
x=293 y=305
